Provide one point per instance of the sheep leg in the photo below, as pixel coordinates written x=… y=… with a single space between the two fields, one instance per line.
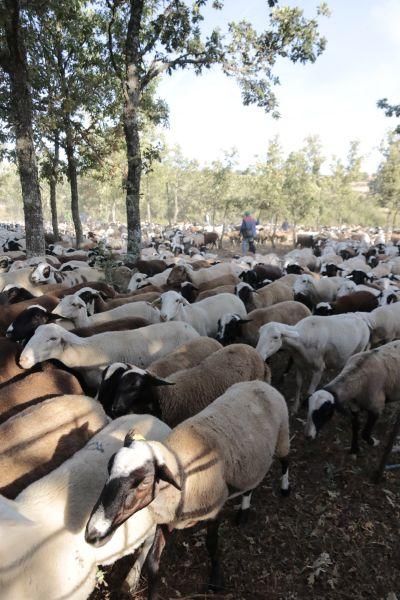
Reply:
x=242 y=516
x=153 y=561
x=366 y=432
x=216 y=582
x=299 y=385
x=315 y=379
x=285 y=487
x=355 y=427
x=132 y=579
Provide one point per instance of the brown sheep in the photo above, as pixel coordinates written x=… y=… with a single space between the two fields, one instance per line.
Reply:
x=40 y=438
x=34 y=388
x=10 y=312
x=127 y=324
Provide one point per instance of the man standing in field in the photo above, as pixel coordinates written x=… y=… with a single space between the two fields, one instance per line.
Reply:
x=248 y=233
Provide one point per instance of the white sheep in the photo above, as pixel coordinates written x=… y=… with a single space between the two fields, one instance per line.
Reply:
x=202 y=315
x=45 y=273
x=384 y=323
x=139 y=280
x=75 y=309
x=43 y=553
x=222 y=452
x=316 y=344
x=317 y=290
x=367 y=381
x=140 y=347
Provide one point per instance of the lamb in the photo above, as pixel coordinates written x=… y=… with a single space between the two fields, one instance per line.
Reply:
x=316 y=344
x=184 y=357
x=187 y=391
x=74 y=309
x=38 y=439
x=182 y=273
x=204 y=315
x=34 y=388
x=140 y=347
x=204 y=461
x=232 y=328
x=45 y=273
x=48 y=558
x=368 y=380
x=266 y=296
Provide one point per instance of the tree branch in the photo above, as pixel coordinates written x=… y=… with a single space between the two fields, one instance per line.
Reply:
x=158 y=67
x=112 y=7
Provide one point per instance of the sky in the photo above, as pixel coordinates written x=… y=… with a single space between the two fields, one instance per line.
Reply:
x=334 y=98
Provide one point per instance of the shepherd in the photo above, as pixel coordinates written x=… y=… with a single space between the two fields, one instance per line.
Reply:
x=248 y=233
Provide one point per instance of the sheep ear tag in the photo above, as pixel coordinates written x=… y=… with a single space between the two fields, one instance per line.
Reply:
x=131 y=437
x=163 y=472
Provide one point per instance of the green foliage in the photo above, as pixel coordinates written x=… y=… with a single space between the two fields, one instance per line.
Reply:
x=386 y=184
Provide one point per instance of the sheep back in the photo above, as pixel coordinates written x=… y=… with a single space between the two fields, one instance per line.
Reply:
x=34 y=388
x=185 y=356
x=129 y=323
x=197 y=387
x=289 y=312
x=40 y=438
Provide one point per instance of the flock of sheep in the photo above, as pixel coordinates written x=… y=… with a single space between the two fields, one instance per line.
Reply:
x=127 y=414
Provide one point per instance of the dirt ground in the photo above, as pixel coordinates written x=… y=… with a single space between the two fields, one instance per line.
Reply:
x=336 y=537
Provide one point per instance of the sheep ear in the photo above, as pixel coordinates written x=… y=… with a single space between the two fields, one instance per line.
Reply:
x=185 y=302
x=155 y=302
x=164 y=473
x=131 y=437
x=289 y=333
x=57 y=277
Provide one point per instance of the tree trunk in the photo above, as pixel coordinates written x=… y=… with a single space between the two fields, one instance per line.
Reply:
x=53 y=187
x=274 y=228
x=168 y=205
x=132 y=91
x=21 y=106
x=176 y=205
x=73 y=180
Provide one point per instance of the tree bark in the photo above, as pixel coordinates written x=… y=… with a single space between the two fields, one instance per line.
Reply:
x=132 y=91
x=53 y=186
x=73 y=180
x=21 y=106
x=176 y=204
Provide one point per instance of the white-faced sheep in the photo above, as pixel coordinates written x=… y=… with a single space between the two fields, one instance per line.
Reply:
x=368 y=380
x=45 y=273
x=384 y=323
x=206 y=460
x=317 y=290
x=74 y=309
x=232 y=328
x=186 y=392
x=140 y=347
x=38 y=439
x=43 y=552
x=315 y=344
x=182 y=273
x=204 y=315
x=140 y=280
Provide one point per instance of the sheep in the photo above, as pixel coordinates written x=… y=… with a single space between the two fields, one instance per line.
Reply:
x=355 y=302
x=45 y=273
x=181 y=273
x=24 y=326
x=41 y=437
x=149 y=267
x=72 y=265
x=368 y=380
x=204 y=461
x=9 y=351
x=187 y=391
x=47 y=558
x=21 y=277
x=34 y=388
x=140 y=347
x=384 y=323
x=9 y=313
x=316 y=344
x=139 y=280
x=204 y=315
x=317 y=290
x=260 y=272
x=12 y=294
x=232 y=328
x=184 y=357
x=265 y=296
x=222 y=289
x=74 y=309
x=96 y=304
x=127 y=324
